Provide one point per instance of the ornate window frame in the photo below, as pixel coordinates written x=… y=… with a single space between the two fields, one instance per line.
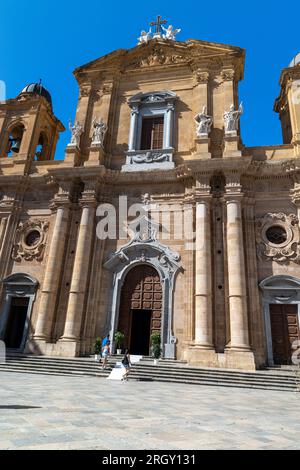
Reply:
x=289 y=250
x=21 y=249
x=152 y=104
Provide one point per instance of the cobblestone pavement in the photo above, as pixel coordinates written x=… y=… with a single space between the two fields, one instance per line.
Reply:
x=48 y=412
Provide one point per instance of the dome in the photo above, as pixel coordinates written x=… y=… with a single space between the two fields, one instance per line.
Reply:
x=37 y=89
x=295 y=61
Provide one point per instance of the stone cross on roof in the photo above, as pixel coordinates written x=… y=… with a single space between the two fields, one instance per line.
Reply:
x=160 y=32
x=158 y=24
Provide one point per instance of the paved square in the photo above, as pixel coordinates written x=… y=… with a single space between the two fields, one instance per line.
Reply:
x=49 y=412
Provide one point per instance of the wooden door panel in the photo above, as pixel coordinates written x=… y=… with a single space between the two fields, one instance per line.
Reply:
x=285 y=330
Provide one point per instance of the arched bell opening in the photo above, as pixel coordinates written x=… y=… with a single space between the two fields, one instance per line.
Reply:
x=14 y=140
x=42 y=148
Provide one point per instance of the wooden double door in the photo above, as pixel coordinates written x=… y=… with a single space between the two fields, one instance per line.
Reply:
x=285 y=330
x=140 y=312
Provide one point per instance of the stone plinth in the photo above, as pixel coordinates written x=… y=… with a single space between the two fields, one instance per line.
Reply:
x=231 y=148
x=72 y=155
x=202 y=146
x=96 y=155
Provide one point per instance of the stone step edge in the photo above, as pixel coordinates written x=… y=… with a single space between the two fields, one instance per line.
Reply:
x=82 y=363
x=155 y=370
x=154 y=378
x=162 y=379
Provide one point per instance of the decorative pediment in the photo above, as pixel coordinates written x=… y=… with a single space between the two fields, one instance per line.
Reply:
x=144 y=247
x=158 y=52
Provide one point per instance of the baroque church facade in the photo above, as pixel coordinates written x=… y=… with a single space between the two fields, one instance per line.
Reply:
x=213 y=267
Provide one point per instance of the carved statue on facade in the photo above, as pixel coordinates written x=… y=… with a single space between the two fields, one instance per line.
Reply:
x=76 y=132
x=145 y=37
x=170 y=32
x=100 y=129
x=204 y=122
x=231 y=118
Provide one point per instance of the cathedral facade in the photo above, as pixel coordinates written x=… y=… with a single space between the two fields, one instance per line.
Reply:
x=159 y=218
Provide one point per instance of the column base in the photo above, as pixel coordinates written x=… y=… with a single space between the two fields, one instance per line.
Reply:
x=197 y=355
x=203 y=345
x=240 y=359
x=230 y=359
x=39 y=347
x=68 y=347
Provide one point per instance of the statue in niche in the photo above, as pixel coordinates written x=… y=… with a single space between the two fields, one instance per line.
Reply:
x=204 y=122
x=100 y=129
x=231 y=118
x=76 y=132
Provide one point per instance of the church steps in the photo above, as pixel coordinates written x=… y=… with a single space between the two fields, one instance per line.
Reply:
x=274 y=387
x=53 y=370
x=222 y=374
x=213 y=371
x=201 y=379
x=170 y=371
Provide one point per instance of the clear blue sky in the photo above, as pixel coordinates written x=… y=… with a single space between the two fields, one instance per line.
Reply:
x=43 y=39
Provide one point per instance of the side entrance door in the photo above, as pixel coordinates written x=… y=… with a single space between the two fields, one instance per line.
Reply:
x=285 y=330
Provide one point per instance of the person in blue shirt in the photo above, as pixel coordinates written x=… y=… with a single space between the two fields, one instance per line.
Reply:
x=105 y=342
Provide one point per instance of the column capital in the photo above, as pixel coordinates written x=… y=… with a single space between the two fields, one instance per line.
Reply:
x=295 y=197
x=63 y=197
x=88 y=198
x=228 y=74
x=233 y=185
x=202 y=76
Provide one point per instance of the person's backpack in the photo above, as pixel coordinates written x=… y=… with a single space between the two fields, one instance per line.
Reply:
x=125 y=361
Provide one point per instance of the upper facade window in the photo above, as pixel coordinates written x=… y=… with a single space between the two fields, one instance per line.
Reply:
x=152 y=133
x=150 y=143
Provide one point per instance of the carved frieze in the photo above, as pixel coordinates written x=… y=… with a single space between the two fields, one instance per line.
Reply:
x=30 y=240
x=277 y=237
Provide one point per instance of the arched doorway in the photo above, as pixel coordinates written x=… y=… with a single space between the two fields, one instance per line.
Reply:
x=20 y=291
x=281 y=298
x=140 y=311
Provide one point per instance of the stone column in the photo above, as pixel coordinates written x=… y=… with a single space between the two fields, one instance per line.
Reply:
x=133 y=129
x=54 y=266
x=3 y=224
x=256 y=322
x=237 y=292
x=80 y=276
x=203 y=288
x=169 y=126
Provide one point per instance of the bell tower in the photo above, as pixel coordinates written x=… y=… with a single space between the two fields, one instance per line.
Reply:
x=28 y=128
x=288 y=104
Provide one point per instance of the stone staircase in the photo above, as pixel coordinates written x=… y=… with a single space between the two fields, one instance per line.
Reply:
x=51 y=365
x=281 y=379
x=286 y=379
